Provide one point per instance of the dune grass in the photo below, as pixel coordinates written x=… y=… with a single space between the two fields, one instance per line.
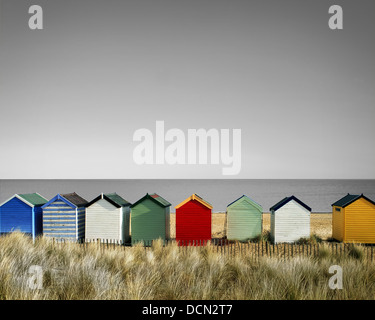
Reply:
x=71 y=272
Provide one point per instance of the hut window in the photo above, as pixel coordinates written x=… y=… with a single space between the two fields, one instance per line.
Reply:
x=338 y=209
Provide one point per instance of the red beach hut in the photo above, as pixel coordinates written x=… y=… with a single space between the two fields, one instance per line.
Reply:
x=193 y=221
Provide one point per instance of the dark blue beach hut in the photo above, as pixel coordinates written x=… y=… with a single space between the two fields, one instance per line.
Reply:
x=64 y=217
x=22 y=212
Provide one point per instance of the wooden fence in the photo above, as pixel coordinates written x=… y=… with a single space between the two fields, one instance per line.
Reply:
x=252 y=249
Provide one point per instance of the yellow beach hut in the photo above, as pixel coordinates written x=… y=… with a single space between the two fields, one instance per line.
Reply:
x=353 y=219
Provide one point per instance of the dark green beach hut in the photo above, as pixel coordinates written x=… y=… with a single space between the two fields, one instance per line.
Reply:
x=150 y=219
x=244 y=219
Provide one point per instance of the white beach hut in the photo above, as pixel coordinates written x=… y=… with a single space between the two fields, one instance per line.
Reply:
x=290 y=220
x=108 y=218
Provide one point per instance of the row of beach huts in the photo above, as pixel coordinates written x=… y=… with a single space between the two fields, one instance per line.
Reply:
x=109 y=216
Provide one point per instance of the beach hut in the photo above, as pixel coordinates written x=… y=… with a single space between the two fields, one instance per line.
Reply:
x=107 y=218
x=353 y=219
x=150 y=219
x=64 y=217
x=244 y=219
x=290 y=220
x=193 y=221
x=22 y=212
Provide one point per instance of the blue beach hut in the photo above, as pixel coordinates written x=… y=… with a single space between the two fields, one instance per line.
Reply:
x=22 y=212
x=64 y=217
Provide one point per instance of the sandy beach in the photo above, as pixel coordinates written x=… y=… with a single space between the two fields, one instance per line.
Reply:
x=321 y=224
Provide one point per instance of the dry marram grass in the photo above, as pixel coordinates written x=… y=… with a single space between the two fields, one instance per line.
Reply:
x=73 y=271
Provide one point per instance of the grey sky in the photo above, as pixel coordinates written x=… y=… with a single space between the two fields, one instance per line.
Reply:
x=72 y=95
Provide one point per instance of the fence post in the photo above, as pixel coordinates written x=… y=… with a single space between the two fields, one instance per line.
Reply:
x=270 y=249
x=371 y=252
x=285 y=251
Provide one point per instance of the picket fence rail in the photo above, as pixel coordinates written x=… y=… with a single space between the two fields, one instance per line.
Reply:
x=253 y=249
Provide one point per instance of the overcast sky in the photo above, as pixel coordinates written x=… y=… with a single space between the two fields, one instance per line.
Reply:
x=72 y=94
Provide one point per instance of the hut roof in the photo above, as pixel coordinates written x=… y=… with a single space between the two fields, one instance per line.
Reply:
x=197 y=198
x=154 y=197
x=75 y=199
x=348 y=199
x=286 y=200
x=117 y=199
x=34 y=198
x=112 y=198
x=249 y=199
x=31 y=199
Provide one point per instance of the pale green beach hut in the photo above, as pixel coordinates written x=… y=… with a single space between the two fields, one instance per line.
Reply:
x=244 y=219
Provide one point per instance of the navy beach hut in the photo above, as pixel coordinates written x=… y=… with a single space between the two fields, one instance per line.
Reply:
x=64 y=217
x=22 y=212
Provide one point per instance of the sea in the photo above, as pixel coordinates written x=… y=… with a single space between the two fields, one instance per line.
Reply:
x=318 y=194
